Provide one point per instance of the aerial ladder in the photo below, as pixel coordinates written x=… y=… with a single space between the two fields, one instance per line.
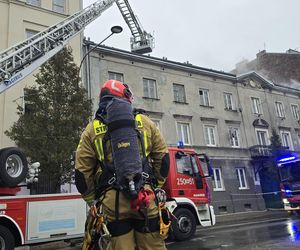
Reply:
x=23 y=58
x=141 y=41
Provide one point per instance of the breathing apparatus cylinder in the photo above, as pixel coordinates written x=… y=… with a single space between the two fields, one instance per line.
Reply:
x=124 y=146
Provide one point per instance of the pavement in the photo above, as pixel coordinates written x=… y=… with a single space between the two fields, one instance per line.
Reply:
x=224 y=220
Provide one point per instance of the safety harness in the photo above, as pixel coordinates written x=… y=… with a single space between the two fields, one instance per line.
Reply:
x=109 y=180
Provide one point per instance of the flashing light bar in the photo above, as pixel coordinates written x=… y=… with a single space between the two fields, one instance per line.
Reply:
x=286 y=191
x=289 y=158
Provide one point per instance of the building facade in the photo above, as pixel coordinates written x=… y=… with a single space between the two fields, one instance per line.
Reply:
x=21 y=19
x=217 y=113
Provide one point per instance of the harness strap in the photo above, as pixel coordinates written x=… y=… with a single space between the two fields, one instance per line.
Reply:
x=117 y=203
x=153 y=225
x=120 y=227
x=120 y=124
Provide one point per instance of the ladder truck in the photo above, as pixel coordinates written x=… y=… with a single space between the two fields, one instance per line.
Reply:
x=22 y=59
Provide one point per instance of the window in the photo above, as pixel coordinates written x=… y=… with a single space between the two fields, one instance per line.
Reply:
x=115 y=76
x=59 y=6
x=295 y=111
x=286 y=139
x=209 y=135
x=204 y=97
x=228 y=101
x=256 y=177
x=183 y=132
x=241 y=176
x=186 y=164
x=256 y=105
x=150 y=88
x=234 y=136
x=179 y=93
x=34 y=2
x=30 y=33
x=262 y=137
x=217 y=183
x=279 y=109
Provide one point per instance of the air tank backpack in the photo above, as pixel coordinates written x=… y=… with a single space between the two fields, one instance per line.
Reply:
x=129 y=169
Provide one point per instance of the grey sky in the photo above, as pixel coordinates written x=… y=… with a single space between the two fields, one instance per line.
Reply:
x=213 y=34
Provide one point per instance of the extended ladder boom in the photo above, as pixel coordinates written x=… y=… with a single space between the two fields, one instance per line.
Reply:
x=22 y=59
x=141 y=41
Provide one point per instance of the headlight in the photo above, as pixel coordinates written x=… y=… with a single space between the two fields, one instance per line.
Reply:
x=285 y=201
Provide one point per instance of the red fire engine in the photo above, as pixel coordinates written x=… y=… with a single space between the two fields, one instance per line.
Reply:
x=289 y=172
x=41 y=218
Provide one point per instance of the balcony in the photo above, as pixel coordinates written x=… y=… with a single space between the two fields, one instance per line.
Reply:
x=263 y=151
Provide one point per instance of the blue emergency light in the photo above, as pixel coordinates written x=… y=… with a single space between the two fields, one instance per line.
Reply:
x=287 y=158
x=287 y=192
x=180 y=144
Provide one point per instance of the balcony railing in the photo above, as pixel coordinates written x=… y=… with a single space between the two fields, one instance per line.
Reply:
x=262 y=151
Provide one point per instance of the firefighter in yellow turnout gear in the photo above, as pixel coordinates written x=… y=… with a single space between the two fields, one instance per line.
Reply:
x=123 y=226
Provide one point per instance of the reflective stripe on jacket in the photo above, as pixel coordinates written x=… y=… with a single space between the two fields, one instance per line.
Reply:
x=89 y=152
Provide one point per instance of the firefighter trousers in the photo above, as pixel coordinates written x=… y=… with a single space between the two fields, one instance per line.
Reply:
x=130 y=229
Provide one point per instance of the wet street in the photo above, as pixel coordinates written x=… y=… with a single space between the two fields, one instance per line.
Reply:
x=265 y=235
x=277 y=235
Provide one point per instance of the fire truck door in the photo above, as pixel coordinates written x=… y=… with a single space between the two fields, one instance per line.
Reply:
x=189 y=182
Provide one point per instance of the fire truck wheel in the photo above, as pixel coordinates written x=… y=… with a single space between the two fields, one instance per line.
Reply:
x=185 y=226
x=13 y=167
x=7 y=241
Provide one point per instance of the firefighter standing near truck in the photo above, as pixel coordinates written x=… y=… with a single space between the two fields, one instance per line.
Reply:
x=121 y=162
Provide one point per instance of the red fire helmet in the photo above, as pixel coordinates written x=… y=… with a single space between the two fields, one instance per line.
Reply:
x=116 y=88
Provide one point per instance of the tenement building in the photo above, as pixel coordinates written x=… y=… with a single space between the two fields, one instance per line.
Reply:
x=21 y=19
x=217 y=113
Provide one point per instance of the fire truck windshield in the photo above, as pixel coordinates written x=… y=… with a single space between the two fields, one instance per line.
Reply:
x=290 y=171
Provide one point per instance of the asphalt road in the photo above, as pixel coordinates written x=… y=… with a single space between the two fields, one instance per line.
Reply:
x=276 y=232
x=275 y=235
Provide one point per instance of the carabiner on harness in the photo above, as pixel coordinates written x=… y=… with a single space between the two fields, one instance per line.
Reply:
x=100 y=230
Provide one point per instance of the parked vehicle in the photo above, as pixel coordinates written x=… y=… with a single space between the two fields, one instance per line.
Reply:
x=289 y=172
x=33 y=219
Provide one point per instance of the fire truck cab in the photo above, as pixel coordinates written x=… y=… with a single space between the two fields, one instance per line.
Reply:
x=289 y=172
x=188 y=192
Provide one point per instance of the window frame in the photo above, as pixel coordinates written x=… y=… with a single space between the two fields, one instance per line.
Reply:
x=267 y=136
x=149 y=95
x=114 y=76
x=30 y=2
x=207 y=140
x=295 y=111
x=59 y=6
x=204 y=98
x=242 y=170
x=226 y=101
x=233 y=142
x=288 y=133
x=279 y=109
x=256 y=105
x=216 y=182
x=176 y=86
x=30 y=33
x=178 y=129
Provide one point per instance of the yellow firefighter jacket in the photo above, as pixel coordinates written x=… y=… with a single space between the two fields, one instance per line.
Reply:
x=89 y=152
